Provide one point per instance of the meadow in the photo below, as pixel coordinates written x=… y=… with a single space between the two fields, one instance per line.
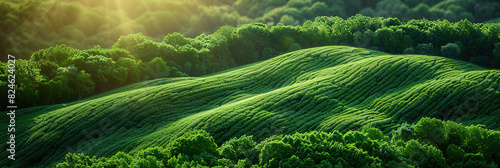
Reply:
x=251 y=83
x=327 y=89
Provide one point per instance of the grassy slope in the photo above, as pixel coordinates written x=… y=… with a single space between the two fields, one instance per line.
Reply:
x=323 y=88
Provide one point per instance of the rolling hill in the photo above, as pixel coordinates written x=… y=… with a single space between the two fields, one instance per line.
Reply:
x=322 y=89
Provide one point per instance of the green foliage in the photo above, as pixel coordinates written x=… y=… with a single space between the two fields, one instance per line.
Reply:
x=248 y=41
x=430 y=130
x=105 y=72
x=55 y=54
x=373 y=133
x=454 y=154
x=310 y=149
x=176 y=39
x=301 y=91
x=426 y=49
x=405 y=132
x=134 y=68
x=391 y=40
x=409 y=50
x=274 y=151
x=234 y=46
x=424 y=155
x=193 y=143
x=242 y=147
x=451 y=50
x=78 y=81
x=33 y=25
x=496 y=55
x=129 y=41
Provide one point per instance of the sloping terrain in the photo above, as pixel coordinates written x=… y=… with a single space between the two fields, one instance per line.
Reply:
x=325 y=89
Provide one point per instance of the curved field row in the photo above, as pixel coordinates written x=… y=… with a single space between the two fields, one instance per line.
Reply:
x=325 y=89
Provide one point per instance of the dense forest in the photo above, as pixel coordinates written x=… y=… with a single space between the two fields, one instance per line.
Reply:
x=251 y=83
x=65 y=44
x=134 y=57
x=30 y=25
x=417 y=145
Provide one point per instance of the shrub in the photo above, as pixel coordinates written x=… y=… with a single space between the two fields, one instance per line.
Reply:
x=426 y=49
x=409 y=50
x=274 y=150
x=193 y=143
x=429 y=130
x=129 y=41
x=451 y=50
x=424 y=155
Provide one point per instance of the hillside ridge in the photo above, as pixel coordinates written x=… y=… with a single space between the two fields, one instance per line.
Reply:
x=324 y=89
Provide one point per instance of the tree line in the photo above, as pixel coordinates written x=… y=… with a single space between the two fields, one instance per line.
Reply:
x=427 y=143
x=35 y=24
x=135 y=57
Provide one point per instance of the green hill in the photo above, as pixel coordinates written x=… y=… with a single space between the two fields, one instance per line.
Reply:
x=323 y=89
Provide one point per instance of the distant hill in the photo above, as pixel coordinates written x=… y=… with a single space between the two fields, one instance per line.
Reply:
x=323 y=89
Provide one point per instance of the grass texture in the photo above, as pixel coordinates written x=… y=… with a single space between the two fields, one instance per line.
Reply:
x=318 y=89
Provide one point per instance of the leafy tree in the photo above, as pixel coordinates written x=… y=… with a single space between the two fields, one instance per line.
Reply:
x=134 y=67
x=451 y=50
x=187 y=53
x=311 y=149
x=496 y=55
x=424 y=155
x=289 y=20
x=55 y=54
x=427 y=49
x=45 y=91
x=242 y=146
x=113 y=53
x=176 y=39
x=476 y=136
x=249 y=41
x=193 y=143
x=227 y=151
x=455 y=133
x=409 y=50
x=157 y=68
x=429 y=130
x=105 y=72
x=148 y=50
x=78 y=60
x=493 y=145
x=27 y=79
x=63 y=92
x=420 y=11
x=384 y=38
x=78 y=81
x=391 y=40
x=454 y=154
x=129 y=41
x=274 y=150
x=373 y=133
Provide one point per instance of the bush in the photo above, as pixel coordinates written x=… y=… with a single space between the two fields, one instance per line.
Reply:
x=129 y=41
x=451 y=50
x=426 y=49
x=424 y=155
x=313 y=149
x=409 y=50
x=430 y=130
x=193 y=143
x=274 y=150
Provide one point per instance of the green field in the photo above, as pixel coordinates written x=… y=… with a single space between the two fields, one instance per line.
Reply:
x=318 y=89
x=250 y=83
